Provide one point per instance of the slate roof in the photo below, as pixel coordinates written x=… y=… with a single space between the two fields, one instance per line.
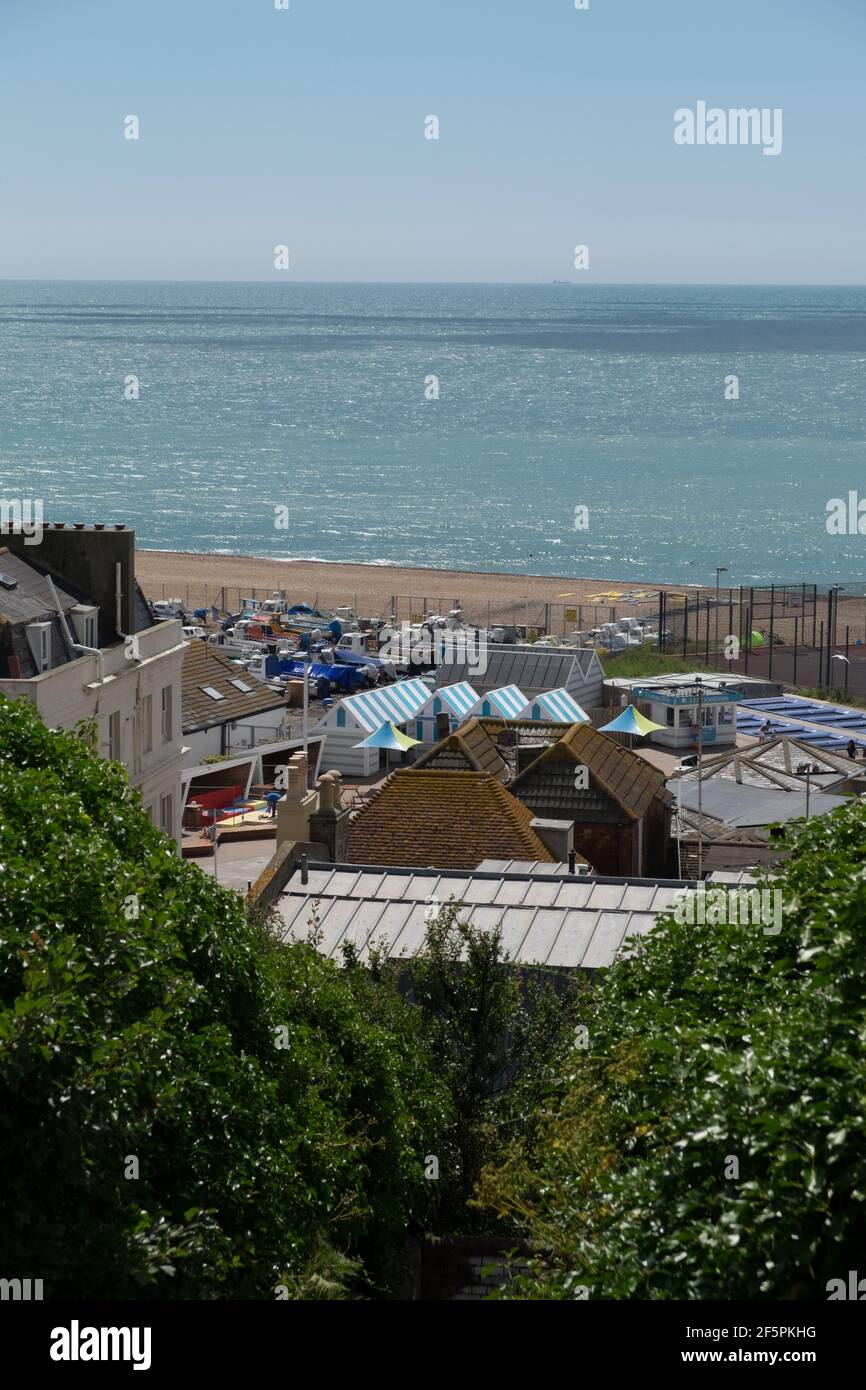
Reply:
x=422 y=817
x=30 y=602
x=204 y=665
x=469 y=749
x=546 y=918
x=622 y=776
x=721 y=843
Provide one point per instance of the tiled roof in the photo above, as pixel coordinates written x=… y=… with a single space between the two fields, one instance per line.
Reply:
x=628 y=779
x=454 y=820
x=204 y=665
x=470 y=749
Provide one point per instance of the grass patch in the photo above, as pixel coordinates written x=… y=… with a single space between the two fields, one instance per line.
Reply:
x=641 y=661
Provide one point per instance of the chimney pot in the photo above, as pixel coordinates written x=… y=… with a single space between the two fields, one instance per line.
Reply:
x=305 y=869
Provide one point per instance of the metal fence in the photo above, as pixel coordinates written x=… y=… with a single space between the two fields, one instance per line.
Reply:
x=786 y=632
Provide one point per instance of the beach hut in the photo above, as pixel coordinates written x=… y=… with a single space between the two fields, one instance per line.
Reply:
x=506 y=702
x=557 y=707
x=450 y=702
x=349 y=722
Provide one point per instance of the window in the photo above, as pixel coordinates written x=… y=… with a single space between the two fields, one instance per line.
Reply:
x=39 y=638
x=687 y=716
x=212 y=692
x=239 y=685
x=707 y=716
x=341 y=718
x=671 y=712
x=166 y=714
x=114 y=735
x=85 y=623
x=726 y=714
x=166 y=814
x=147 y=724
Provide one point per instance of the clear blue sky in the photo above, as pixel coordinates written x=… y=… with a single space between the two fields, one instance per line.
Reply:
x=260 y=126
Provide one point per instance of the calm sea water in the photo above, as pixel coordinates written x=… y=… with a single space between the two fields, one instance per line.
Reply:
x=312 y=397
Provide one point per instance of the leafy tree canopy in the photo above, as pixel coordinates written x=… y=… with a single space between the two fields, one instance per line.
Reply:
x=187 y=1107
x=708 y=1143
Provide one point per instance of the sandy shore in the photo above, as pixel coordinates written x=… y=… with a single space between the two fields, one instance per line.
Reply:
x=538 y=601
x=199 y=579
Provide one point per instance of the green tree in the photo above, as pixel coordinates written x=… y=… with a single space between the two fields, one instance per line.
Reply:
x=496 y=1034
x=188 y=1109
x=708 y=1144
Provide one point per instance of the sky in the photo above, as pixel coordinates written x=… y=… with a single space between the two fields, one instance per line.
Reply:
x=261 y=127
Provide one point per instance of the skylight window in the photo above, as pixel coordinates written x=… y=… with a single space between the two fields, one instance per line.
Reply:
x=214 y=694
x=239 y=685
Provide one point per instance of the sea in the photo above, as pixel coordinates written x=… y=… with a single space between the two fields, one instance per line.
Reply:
x=459 y=426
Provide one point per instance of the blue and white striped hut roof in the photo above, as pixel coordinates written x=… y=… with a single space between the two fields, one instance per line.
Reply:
x=561 y=707
x=392 y=704
x=508 y=701
x=459 y=698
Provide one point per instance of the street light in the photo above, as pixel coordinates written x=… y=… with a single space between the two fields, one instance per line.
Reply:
x=837 y=657
x=699 y=684
x=720 y=569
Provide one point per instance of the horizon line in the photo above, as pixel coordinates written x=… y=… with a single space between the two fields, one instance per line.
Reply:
x=568 y=284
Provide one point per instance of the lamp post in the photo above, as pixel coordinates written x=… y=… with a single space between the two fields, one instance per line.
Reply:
x=720 y=569
x=838 y=657
x=699 y=684
x=306 y=715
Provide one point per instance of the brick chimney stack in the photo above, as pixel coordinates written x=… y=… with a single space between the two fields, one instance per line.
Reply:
x=329 y=825
x=298 y=804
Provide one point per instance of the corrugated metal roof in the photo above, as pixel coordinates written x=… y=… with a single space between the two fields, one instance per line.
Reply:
x=562 y=707
x=390 y=704
x=531 y=668
x=546 y=917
